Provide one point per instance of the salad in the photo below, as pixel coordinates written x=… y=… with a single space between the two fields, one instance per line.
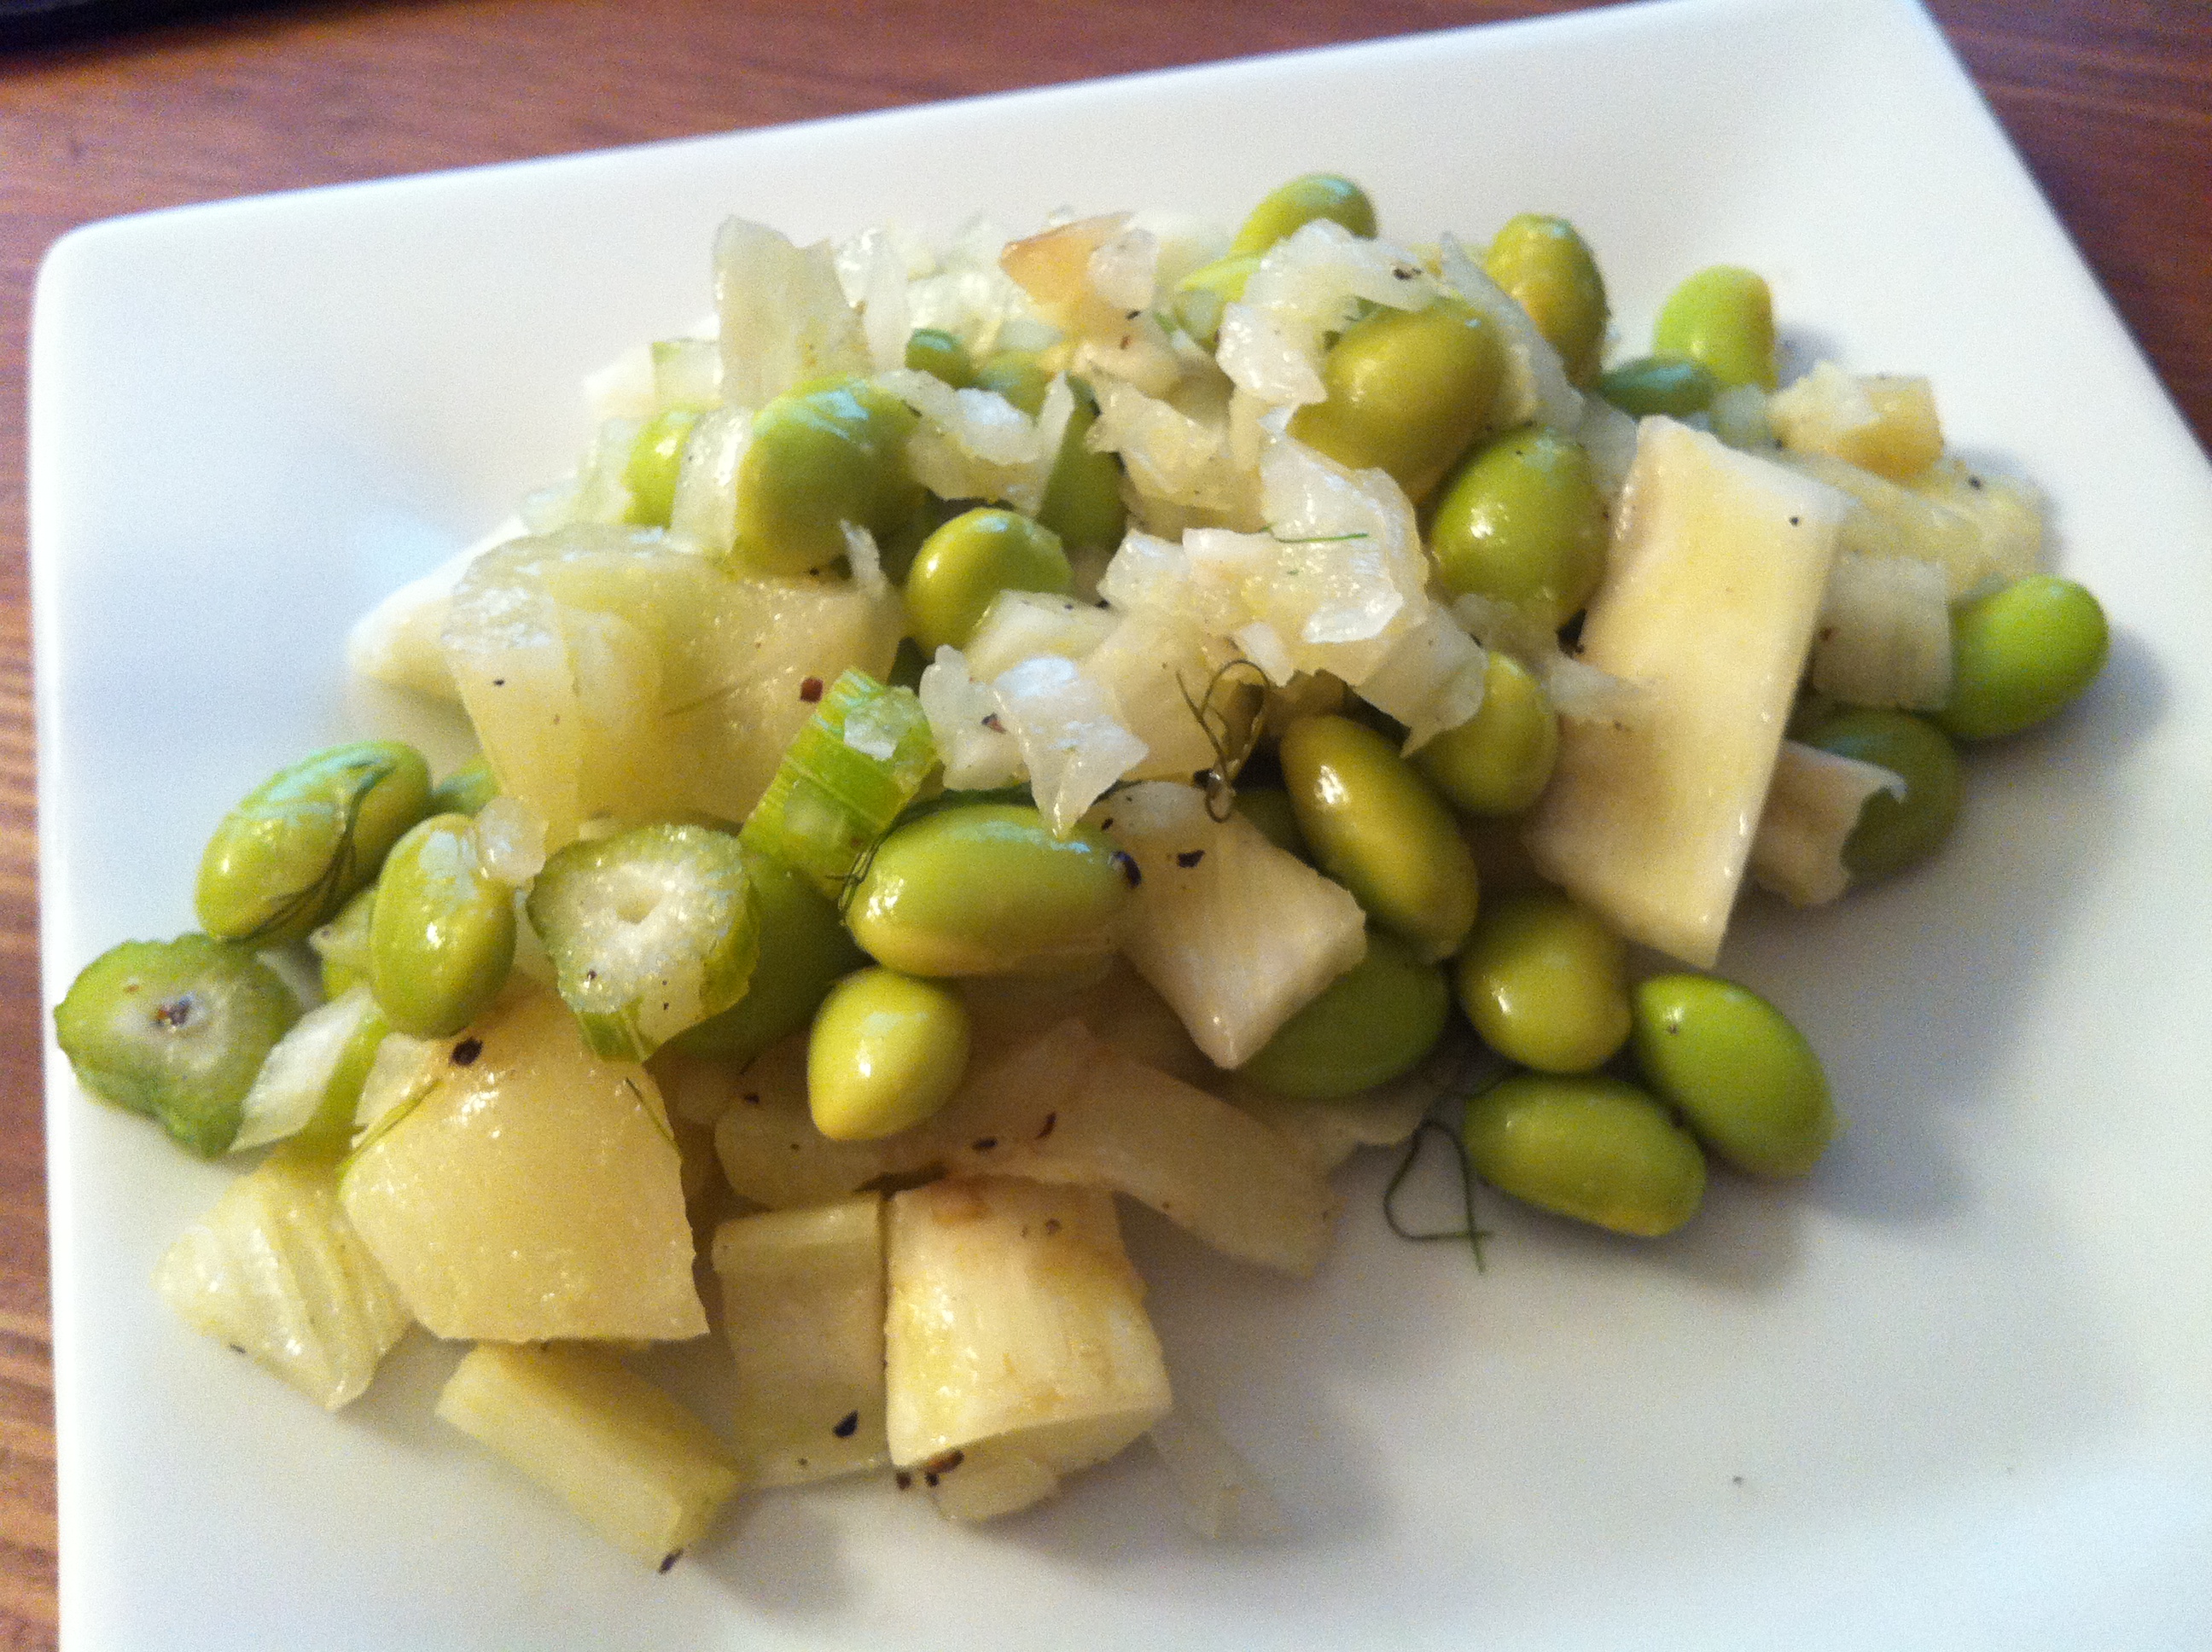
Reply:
x=1129 y=710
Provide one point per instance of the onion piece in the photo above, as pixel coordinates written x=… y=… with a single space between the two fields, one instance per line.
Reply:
x=1071 y=737
x=1884 y=637
x=784 y=318
x=1813 y=804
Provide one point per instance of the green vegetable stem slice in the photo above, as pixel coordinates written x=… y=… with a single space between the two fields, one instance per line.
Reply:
x=860 y=759
x=807 y=951
x=175 y=1029
x=649 y=933
x=298 y=846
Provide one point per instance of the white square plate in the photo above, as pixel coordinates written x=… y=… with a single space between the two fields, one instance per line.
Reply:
x=1955 y=1393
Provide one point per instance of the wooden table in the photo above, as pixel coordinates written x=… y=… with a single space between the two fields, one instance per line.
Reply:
x=2110 y=100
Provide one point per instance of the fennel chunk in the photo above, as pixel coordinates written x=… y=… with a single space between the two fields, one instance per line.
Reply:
x=1717 y=567
x=803 y=1308
x=1016 y=1348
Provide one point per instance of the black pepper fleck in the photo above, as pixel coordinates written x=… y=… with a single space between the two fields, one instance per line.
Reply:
x=1132 y=874
x=465 y=1051
x=670 y=1558
x=1046 y=1129
x=810 y=689
x=1190 y=857
x=846 y=1425
x=902 y=1479
x=984 y=1144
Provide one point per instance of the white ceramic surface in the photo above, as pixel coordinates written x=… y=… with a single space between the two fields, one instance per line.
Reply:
x=1957 y=1393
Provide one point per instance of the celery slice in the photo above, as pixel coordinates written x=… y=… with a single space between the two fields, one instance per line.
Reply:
x=650 y=931
x=860 y=759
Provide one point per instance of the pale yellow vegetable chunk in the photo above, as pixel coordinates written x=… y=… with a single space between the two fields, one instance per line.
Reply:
x=1714 y=582
x=276 y=1271
x=645 y=1473
x=1016 y=1348
x=1064 y=1108
x=803 y=1308
x=532 y=1190
x=1885 y=424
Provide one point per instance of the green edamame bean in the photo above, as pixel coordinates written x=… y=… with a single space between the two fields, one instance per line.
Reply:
x=1499 y=761
x=971 y=560
x=1370 y=1025
x=941 y=355
x=302 y=842
x=1521 y=520
x=1549 y=271
x=341 y=947
x=983 y=889
x=1018 y=376
x=1408 y=392
x=465 y=790
x=655 y=461
x=1268 y=807
x=2022 y=653
x=1724 y=318
x=1290 y=207
x=1590 y=1147
x=1672 y=385
x=1545 y=982
x=1206 y=291
x=1892 y=833
x=1082 y=498
x=442 y=934
x=1377 y=828
x=822 y=455
x=175 y=1029
x=804 y=952
x=887 y=1051
x=1745 y=1078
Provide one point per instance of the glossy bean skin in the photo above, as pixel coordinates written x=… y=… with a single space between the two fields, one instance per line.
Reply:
x=1521 y=520
x=984 y=888
x=936 y=352
x=822 y=455
x=1082 y=499
x=655 y=462
x=2021 y=654
x=1743 y=1077
x=465 y=790
x=1894 y=833
x=1590 y=1147
x=442 y=934
x=1723 y=318
x=1375 y=826
x=297 y=847
x=1547 y=268
x=1017 y=375
x=1290 y=207
x=886 y=1052
x=1372 y=1024
x=1545 y=982
x=805 y=950
x=971 y=560
x=1499 y=761
x=1408 y=392
x=1675 y=386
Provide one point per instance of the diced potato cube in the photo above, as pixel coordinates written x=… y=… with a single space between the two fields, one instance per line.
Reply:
x=803 y=1308
x=1235 y=934
x=532 y=1190
x=1718 y=566
x=276 y=1271
x=1016 y=1337
x=648 y=1475
x=1885 y=424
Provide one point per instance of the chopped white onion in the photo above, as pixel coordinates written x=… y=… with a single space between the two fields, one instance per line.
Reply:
x=1072 y=741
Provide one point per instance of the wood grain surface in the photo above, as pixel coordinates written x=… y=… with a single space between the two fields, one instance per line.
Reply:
x=2110 y=101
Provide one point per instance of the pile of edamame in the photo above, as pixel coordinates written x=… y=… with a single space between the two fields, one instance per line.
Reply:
x=848 y=906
